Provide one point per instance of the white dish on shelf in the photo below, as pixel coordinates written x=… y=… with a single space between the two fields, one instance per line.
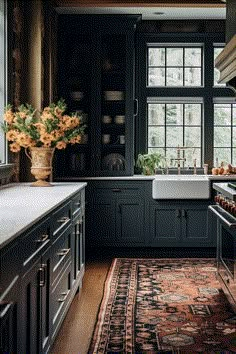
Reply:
x=113 y=95
x=119 y=119
x=113 y=162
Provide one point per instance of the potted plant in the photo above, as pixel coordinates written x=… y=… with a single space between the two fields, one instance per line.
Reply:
x=148 y=162
x=41 y=132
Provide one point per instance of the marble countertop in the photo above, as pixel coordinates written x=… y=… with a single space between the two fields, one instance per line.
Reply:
x=22 y=205
x=150 y=178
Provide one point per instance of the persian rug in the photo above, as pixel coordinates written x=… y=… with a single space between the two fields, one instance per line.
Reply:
x=164 y=306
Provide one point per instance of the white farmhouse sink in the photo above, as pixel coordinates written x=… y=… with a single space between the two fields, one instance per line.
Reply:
x=181 y=187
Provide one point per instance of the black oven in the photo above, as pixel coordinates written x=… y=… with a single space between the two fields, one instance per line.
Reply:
x=228 y=251
x=226 y=242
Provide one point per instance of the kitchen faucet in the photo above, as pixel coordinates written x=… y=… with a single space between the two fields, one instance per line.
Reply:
x=178 y=159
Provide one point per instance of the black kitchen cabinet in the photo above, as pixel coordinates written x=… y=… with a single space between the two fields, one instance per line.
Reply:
x=41 y=270
x=95 y=58
x=10 y=319
x=116 y=214
x=35 y=310
x=123 y=213
x=179 y=224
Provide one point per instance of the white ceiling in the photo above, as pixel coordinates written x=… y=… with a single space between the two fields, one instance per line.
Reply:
x=149 y=13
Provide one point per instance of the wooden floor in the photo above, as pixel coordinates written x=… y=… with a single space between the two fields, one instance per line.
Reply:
x=77 y=329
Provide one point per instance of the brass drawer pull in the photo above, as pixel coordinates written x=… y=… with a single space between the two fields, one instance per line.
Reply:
x=64 y=294
x=42 y=275
x=63 y=219
x=43 y=238
x=63 y=252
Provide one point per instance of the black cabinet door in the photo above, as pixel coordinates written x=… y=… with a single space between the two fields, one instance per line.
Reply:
x=44 y=303
x=195 y=226
x=165 y=226
x=35 y=307
x=96 y=78
x=9 y=319
x=130 y=222
x=31 y=310
x=103 y=226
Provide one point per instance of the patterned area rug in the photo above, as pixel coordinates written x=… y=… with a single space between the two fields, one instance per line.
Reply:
x=164 y=306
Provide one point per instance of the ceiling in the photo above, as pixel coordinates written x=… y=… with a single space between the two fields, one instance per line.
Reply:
x=150 y=10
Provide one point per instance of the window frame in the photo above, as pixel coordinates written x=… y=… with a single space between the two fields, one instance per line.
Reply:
x=206 y=92
x=182 y=46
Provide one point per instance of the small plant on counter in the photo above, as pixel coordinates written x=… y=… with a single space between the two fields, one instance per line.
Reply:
x=148 y=162
x=50 y=128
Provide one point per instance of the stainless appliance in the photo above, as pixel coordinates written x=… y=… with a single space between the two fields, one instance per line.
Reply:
x=225 y=212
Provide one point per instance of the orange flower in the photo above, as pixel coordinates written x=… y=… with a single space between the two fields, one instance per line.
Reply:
x=46 y=138
x=11 y=135
x=22 y=115
x=24 y=140
x=9 y=116
x=14 y=147
x=61 y=145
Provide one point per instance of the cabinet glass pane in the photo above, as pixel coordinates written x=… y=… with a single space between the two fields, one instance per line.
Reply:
x=113 y=117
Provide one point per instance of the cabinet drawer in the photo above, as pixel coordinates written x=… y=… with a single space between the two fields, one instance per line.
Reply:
x=60 y=297
x=35 y=242
x=61 y=253
x=76 y=205
x=61 y=219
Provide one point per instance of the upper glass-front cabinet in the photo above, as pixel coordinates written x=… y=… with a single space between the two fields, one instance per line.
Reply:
x=95 y=76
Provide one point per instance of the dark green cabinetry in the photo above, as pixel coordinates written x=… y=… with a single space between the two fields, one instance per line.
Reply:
x=179 y=224
x=40 y=273
x=96 y=77
x=123 y=213
x=116 y=214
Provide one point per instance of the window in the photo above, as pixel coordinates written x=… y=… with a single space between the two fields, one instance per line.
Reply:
x=225 y=132
x=172 y=123
x=174 y=66
x=217 y=51
x=2 y=76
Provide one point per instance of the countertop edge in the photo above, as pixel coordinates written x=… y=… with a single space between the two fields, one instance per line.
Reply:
x=9 y=239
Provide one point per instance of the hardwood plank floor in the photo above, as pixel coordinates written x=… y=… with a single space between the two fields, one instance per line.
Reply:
x=77 y=329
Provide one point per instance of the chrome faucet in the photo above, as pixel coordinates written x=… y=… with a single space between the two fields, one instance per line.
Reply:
x=178 y=159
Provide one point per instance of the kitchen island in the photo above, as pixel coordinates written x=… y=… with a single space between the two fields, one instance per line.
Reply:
x=42 y=254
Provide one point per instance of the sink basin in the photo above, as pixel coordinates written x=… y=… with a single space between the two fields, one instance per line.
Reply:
x=181 y=187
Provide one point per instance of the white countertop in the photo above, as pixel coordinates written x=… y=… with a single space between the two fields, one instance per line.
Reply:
x=151 y=177
x=22 y=205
